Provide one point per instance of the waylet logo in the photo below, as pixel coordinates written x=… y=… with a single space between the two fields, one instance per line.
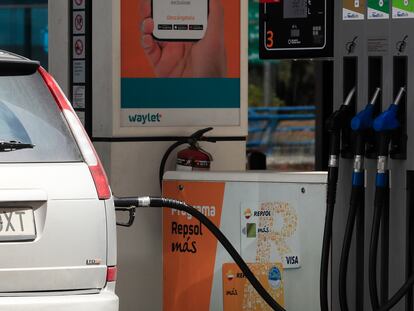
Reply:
x=145 y=118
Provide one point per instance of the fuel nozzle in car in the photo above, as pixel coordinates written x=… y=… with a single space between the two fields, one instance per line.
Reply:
x=130 y=209
x=338 y=121
x=361 y=125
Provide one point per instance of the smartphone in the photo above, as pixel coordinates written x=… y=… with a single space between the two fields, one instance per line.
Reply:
x=179 y=20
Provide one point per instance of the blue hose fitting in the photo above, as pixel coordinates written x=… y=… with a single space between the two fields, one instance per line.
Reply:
x=358 y=179
x=381 y=180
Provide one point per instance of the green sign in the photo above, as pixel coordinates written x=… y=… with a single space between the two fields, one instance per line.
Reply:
x=378 y=9
x=403 y=8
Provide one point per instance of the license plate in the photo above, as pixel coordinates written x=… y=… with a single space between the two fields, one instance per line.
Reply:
x=17 y=224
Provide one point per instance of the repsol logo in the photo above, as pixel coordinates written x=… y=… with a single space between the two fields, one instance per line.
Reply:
x=262 y=214
x=145 y=118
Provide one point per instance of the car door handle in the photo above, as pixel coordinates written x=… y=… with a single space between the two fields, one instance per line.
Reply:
x=23 y=195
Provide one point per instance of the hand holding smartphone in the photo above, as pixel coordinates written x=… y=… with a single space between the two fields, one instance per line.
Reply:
x=180 y=20
x=186 y=53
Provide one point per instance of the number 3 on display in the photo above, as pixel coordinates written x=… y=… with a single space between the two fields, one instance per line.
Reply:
x=270 y=42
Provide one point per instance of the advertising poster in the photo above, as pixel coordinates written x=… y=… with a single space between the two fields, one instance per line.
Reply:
x=378 y=9
x=180 y=63
x=189 y=249
x=353 y=9
x=239 y=294
x=269 y=233
x=403 y=9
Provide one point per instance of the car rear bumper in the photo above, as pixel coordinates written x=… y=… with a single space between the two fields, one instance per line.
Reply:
x=106 y=300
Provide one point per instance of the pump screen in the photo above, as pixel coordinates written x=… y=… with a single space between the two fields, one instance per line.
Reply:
x=295 y=9
x=295 y=28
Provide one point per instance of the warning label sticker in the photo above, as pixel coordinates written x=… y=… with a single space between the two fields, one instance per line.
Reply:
x=79 y=71
x=378 y=9
x=402 y=9
x=353 y=9
x=79 y=47
x=79 y=23
x=78 y=4
x=79 y=92
x=377 y=45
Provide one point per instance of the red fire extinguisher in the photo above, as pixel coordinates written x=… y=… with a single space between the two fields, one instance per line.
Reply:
x=193 y=158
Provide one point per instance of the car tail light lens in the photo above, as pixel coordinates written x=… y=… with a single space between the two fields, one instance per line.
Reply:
x=111 y=274
x=85 y=145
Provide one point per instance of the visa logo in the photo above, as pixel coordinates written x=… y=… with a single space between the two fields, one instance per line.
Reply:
x=292 y=260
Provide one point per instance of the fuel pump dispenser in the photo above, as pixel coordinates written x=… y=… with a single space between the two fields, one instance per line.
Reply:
x=361 y=125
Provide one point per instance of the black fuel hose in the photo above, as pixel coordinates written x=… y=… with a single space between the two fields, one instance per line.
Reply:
x=379 y=205
x=327 y=237
x=355 y=218
x=335 y=124
x=381 y=200
x=181 y=206
x=398 y=295
x=326 y=248
x=165 y=158
x=360 y=253
x=385 y=253
x=356 y=202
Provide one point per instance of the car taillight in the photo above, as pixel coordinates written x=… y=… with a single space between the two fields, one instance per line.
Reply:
x=85 y=145
x=111 y=273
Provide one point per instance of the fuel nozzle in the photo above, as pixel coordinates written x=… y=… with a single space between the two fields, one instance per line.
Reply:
x=335 y=123
x=385 y=125
x=387 y=122
x=361 y=124
x=364 y=119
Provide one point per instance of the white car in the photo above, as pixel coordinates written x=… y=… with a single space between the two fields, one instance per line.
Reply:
x=57 y=217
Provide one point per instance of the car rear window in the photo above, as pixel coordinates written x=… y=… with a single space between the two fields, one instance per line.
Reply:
x=29 y=114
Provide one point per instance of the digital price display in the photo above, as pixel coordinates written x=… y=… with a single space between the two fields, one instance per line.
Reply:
x=296 y=29
x=295 y=9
